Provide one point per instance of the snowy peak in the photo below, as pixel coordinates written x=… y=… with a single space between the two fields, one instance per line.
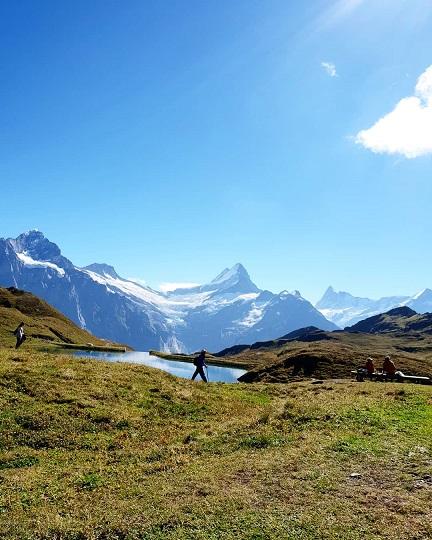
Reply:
x=346 y=310
x=332 y=299
x=237 y=270
x=35 y=246
x=421 y=302
x=425 y=294
x=329 y=294
x=296 y=293
x=103 y=270
x=233 y=279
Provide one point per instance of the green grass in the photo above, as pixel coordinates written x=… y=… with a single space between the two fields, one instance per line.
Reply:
x=100 y=451
x=45 y=327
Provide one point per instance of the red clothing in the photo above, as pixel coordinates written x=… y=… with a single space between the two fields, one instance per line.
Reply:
x=369 y=366
x=389 y=367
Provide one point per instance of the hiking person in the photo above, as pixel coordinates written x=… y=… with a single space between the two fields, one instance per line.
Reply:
x=19 y=334
x=389 y=369
x=370 y=367
x=199 y=363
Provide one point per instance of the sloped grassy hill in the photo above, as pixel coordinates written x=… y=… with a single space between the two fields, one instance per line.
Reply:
x=96 y=451
x=333 y=357
x=398 y=320
x=310 y=352
x=44 y=325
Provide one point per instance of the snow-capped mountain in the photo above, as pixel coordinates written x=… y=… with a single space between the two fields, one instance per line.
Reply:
x=346 y=310
x=33 y=263
x=421 y=302
x=227 y=311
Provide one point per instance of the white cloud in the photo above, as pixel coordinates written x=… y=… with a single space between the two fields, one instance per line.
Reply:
x=167 y=287
x=330 y=68
x=407 y=129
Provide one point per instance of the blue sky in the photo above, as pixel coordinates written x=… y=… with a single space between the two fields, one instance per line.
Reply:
x=172 y=139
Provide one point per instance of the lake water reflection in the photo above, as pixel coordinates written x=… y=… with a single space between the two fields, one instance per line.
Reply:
x=180 y=369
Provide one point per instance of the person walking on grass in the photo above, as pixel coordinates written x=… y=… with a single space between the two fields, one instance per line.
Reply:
x=20 y=336
x=199 y=363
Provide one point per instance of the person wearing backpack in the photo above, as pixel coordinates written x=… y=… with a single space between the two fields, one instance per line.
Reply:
x=20 y=335
x=199 y=363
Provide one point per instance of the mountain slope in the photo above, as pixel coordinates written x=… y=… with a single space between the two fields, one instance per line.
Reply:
x=310 y=352
x=43 y=324
x=402 y=320
x=332 y=357
x=93 y=301
x=230 y=309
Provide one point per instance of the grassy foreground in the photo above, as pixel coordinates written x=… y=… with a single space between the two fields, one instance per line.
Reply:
x=92 y=450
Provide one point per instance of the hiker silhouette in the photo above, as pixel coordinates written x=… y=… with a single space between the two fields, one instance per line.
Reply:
x=199 y=363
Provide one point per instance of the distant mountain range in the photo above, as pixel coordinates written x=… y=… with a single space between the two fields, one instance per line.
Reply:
x=343 y=309
x=229 y=310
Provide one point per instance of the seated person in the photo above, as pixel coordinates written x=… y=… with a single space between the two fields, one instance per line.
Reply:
x=389 y=368
x=370 y=367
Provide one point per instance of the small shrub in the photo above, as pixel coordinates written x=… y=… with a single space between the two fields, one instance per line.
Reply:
x=18 y=462
x=155 y=455
x=90 y=481
x=261 y=441
x=123 y=424
x=33 y=422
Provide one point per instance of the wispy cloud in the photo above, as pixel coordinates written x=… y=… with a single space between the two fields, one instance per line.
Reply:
x=342 y=8
x=330 y=68
x=407 y=129
x=337 y=12
x=167 y=287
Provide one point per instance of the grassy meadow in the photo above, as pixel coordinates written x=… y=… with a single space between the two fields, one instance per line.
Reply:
x=92 y=450
x=45 y=327
x=335 y=356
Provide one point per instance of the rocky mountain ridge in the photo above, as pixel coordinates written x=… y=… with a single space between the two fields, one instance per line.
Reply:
x=229 y=310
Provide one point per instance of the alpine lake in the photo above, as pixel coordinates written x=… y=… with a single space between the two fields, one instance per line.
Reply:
x=184 y=369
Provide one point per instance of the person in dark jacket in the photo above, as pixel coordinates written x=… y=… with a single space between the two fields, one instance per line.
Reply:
x=20 y=336
x=199 y=363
